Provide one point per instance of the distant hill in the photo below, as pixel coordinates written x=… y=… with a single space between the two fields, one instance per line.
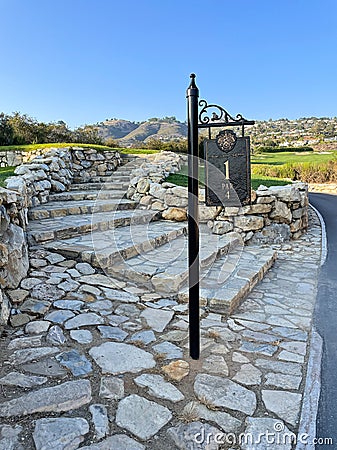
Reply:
x=319 y=133
x=130 y=133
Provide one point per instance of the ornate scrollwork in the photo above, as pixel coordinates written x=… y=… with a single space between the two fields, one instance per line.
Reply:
x=226 y=140
x=221 y=116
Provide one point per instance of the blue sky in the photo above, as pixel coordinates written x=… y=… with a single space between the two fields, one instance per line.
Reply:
x=83 y=61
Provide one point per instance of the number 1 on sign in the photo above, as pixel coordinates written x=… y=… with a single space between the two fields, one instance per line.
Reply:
x=226 y=164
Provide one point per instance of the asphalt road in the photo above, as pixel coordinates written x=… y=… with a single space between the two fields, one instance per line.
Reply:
x=326 y=322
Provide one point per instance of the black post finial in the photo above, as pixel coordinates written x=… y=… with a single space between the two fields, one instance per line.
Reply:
x=192 y=88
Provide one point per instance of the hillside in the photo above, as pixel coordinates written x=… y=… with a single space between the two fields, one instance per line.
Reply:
x=319 y=133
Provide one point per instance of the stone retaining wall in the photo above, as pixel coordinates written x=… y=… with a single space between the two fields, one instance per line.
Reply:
x=276 y=214
x=43 y=172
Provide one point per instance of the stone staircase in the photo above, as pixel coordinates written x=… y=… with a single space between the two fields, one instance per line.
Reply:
x=94 y=222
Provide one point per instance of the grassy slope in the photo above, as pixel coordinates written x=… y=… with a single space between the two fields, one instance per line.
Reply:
x=290 y=158
x=5 y=172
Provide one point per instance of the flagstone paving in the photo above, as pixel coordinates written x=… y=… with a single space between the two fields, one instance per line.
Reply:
x=95 y=362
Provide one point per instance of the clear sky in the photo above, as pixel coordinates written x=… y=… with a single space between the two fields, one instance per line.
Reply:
x=83 y=61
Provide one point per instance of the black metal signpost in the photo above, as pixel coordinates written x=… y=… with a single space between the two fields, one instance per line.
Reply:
x=229 y=154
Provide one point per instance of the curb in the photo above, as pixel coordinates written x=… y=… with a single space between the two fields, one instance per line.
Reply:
x=307 y=424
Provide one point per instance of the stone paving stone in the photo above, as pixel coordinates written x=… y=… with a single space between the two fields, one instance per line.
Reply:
x=63 y=397
x=85 y=268
x=291 y=357
x=35 y=306
x=258 y=336
x=176 y=370
x=73 y=305
x=174 y=336
x=248 y=375
x=111 y=388
x=256 y=432
x=130 y=311
x=168 y=350
x=118 y=442
x=120 y=296
x=100 y=419
x=215 y=364
x=193 y=436
x=238 y=357
x=75 y=362
x=283 y=381
x=69 y=285
x=146 y=337
x=46 y=291
x=115 y=358
x=9 y=437
x=262 y=349
x=286 y=405
x=48 y=367
x=279 y=366
x=25 y=342
x=101 y=281
x=37 y=327
x=290 y=333
x=55 y=336
x=55 y=258
x=295 y=347
x=83 y=320
x=224 y=420
x=159 y=388
x=157 y=319
x=223 y=392
x=141 y=417
x=101 y=306
x=59 y=316
x=59 y=433
x=114 y=333
x=21 y=380
x=29 y=283
x=81 y=336
x=29 y=354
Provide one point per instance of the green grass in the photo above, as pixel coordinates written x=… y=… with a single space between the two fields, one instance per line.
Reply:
x=30 y=147
x=181 y=179
x=5 y=172
x=277 y=159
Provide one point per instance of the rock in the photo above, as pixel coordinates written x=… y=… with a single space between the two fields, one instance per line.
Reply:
x=223 y=392
x=286 y=193
x=276 y=233
x=118 y=442
x=215 y=364
x=226 y=422
x=248 y=375
x=114 y=333
x=45 y=291
x=257 y=427
x=30 y=354
x=175 y=201
x=100 y=419
x=141 y=417
x=117 y=358
x=208 y=212
x=176 y=370
x=101 y=306
x=17 y=295
x=286 y=405
x=29 y=283
x=25 y=342
x=63 y=397
x=47 y=367
x=100 y=280
x=111 y=388
x=18 y=320
x=143 y=186
x=9 y=437
x=248 y=223
x=85 y=268
x=281 y=213
x=81 y=336
x=121 y=296
x=59 y=433
x=37 y=327
x=176 y=214
x=59 y=316
x=54 y=258
x=222 y=227
x=35 y=306
x=195 y=436
x=21 y=380
x=146 y=337
x=55 y=336
x=75 y=362
x=168 y=350
x=73 y=305
x=157 y=191
x=283 y=381
x=157 y=319
x=82 y=320
x=159 y=388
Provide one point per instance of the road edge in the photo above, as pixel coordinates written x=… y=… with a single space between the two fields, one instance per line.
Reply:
x=312 y=389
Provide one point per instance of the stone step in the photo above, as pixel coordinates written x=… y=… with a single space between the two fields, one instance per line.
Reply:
x=107 y=185
x=230 y=279
x=87 y=195
x=104 y=248
x=165 y=269
x=73 y=207
x=74 y=225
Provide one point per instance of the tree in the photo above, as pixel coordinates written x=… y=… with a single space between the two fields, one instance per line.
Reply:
x=6 y=130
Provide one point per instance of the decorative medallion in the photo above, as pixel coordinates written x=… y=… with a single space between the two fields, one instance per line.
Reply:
x=226 y=140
